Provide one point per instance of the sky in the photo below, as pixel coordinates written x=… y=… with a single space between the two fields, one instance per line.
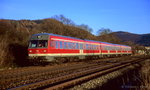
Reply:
x=118 y=15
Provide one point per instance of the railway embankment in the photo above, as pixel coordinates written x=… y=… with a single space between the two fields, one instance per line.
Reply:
x=135 y=77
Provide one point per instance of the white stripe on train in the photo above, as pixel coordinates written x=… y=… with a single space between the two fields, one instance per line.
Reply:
x=68 y=54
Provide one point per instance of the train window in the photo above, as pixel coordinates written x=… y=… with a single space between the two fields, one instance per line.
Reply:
x=90 y=47
x=69 y=45
x=129 y=48
x=115 y=48
x=97 y=47
x=52 y=43
x=77 y=46
x=60 y=45
x=123 y=49
x=105 y=47
x=86 y=46
x=65 y=45
x=57 y=44
x=81 y=46
x=42 y=43
x=110 y=47
x=38 y=43
x=73 y=45
x=102 y=47
x=94 y=47
x=33 y=43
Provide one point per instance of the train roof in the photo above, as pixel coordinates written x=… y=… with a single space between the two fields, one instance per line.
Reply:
x=57 y=35
x=79 y=39
x=107 y=43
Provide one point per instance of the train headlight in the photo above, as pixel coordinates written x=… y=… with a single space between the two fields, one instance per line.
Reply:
x=37 y=50
x=30 y=50
x=39 y=37
x=44 y=51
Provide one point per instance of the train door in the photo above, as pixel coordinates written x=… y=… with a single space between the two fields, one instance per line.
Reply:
x=81 y=48
x=82 y=56
x=100 y=50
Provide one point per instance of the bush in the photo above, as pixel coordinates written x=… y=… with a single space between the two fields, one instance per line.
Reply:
x=12 y=44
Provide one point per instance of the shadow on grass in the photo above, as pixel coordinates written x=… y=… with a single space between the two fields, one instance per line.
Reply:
x=20 y=54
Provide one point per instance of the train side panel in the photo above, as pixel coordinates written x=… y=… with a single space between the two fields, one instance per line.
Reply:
x=51 y=45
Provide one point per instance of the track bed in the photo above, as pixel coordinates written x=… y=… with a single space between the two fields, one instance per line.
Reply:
x=59 y=76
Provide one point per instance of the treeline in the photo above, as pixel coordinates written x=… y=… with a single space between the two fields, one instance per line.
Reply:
x=14 y=36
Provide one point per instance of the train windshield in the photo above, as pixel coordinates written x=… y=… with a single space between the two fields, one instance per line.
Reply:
x=38 y=43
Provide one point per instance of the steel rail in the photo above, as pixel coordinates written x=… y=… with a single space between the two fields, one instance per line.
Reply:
x=78 y=77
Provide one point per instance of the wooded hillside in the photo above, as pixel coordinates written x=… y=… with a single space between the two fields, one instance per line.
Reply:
x=15 y=34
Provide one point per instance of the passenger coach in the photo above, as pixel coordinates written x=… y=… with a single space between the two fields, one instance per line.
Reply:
x=52 y=45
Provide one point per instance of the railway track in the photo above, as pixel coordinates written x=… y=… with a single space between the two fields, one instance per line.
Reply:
x=57 y=78
x=16 y=78
x=87 y=77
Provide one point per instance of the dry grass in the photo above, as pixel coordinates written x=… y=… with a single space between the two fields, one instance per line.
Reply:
x=145 y=76
x=6 y=58
x=12 y=44
x=3 y=52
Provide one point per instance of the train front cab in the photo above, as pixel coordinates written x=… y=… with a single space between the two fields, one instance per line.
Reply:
x=38 y=45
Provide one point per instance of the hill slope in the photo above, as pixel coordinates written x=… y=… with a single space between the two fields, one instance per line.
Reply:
x=15 y=34
x=141 y=39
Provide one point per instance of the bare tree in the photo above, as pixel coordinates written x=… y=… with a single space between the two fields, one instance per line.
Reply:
x=104 y=31
x=85 y=27
x=64 y=20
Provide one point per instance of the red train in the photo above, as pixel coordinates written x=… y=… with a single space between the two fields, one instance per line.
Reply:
x=53 y=46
